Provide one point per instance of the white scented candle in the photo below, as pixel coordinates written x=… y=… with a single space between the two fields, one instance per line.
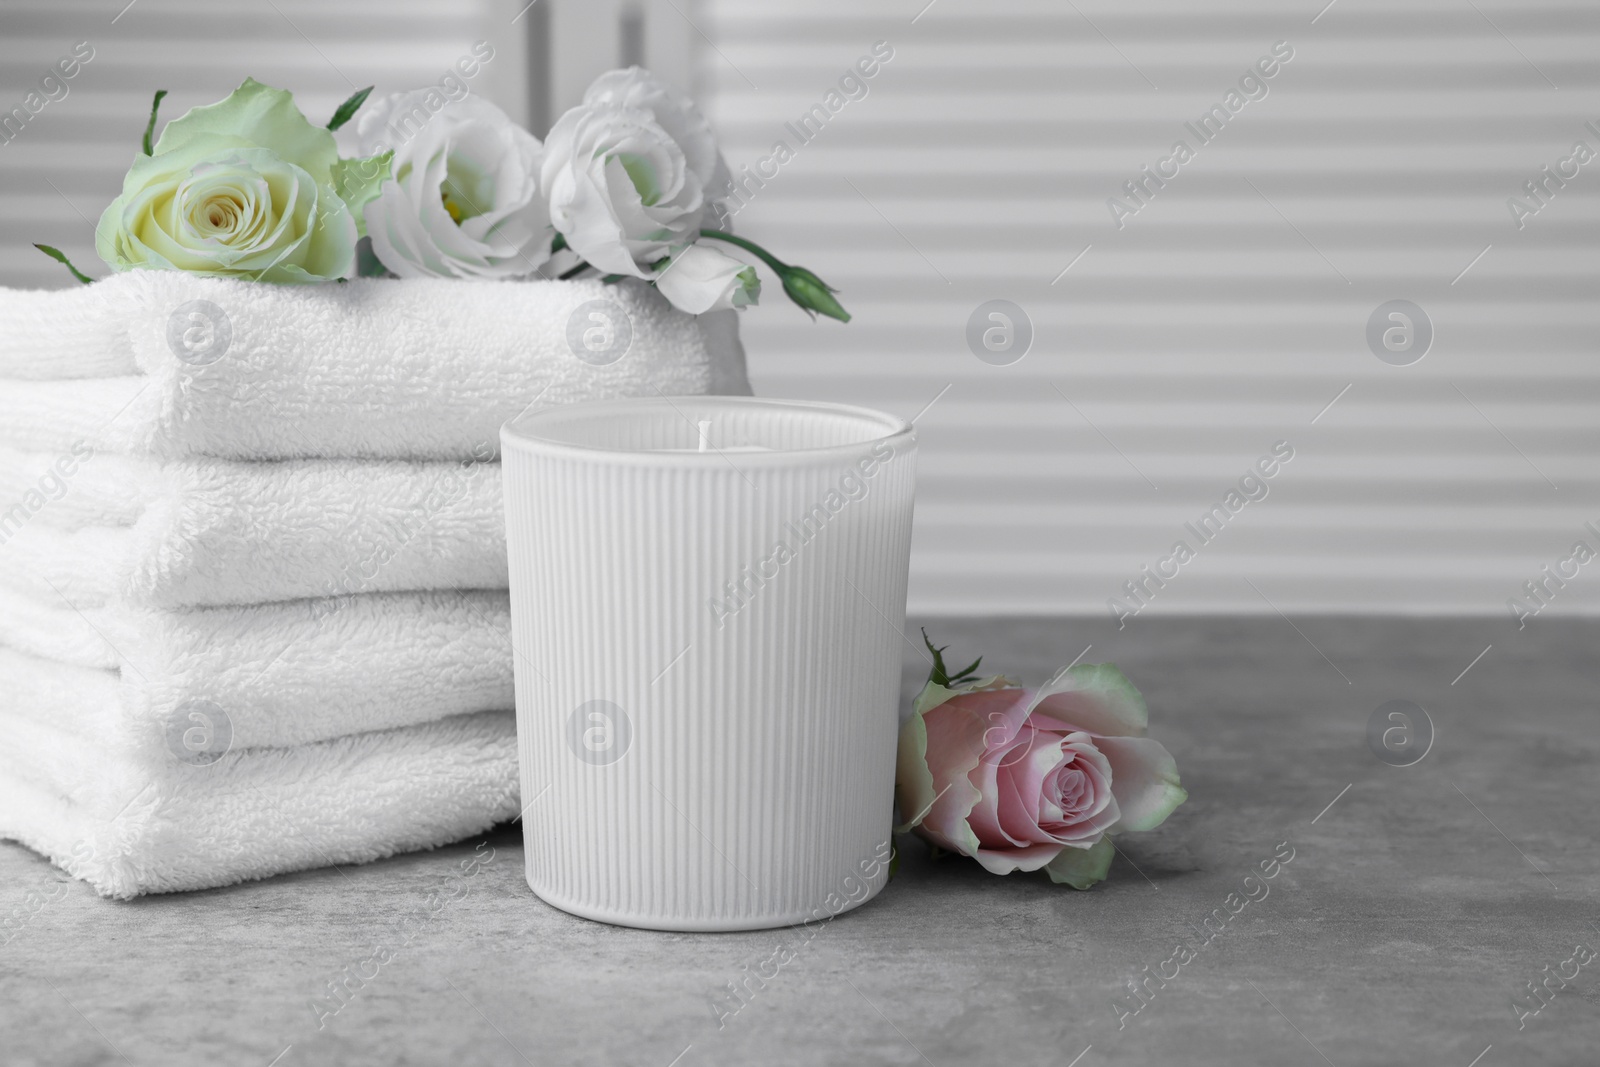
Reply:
x=708 y=606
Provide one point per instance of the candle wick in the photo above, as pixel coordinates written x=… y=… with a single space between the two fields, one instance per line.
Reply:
x=705 y=428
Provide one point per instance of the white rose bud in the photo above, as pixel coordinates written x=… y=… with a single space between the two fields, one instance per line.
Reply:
x=701 y=279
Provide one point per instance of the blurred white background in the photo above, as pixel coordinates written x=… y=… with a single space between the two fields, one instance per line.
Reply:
x=1227 y=314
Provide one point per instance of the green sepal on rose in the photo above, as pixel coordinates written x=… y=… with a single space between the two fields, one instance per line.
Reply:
x=1082 y=867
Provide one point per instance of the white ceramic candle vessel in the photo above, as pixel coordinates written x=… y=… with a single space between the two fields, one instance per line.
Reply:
x=708 y=605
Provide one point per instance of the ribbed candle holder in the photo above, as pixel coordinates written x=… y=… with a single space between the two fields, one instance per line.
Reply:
x=708 y=606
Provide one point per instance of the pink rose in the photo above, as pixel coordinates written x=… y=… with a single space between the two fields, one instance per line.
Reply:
x=1020 y=779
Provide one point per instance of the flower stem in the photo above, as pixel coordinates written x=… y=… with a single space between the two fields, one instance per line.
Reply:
x=749 y=246
x=809 y=292
x=573 y=273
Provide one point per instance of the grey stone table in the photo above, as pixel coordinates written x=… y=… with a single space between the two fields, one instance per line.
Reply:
x=1419 y=903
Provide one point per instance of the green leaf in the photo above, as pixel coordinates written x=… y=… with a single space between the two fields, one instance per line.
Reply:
x=60 y=257
x=348 y=109
x=357 y=182
x=150 y=127
x=1082 y=867
x=940 y=675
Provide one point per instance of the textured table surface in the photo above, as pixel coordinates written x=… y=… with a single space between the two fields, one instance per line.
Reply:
x=1419 y=903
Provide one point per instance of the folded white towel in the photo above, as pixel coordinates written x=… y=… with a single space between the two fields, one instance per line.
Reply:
x=372 y=368
x=76 y=332
x=270 y=675
x=129 y=826
x=97 y=527
x=72 y=488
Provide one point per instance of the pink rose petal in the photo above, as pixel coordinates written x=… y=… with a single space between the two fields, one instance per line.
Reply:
x=985 y=818
x=954 y=733
x=1022 y=773
x=1016 y=859
x=1100 y=810
x=1094 y=697
x=1144 y=777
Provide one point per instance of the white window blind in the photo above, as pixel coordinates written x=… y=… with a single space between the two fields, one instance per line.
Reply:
x=1169 y=355
x=1228 y=311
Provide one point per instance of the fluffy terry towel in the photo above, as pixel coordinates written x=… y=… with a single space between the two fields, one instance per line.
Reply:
x=271 y=675
x=96 y=527
x=182 y=365
x=130 y=825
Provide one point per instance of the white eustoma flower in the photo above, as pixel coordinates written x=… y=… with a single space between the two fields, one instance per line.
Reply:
x=631 y=173
x=701 y=279
x=638 y=89
x=465 y=200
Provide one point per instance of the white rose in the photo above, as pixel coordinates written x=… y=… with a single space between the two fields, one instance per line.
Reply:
x=701 y=279
x=241 y=188
x=630 y=173
x=466 y=200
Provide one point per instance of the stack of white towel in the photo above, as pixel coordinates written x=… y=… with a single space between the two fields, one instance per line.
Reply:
x=252 y=561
